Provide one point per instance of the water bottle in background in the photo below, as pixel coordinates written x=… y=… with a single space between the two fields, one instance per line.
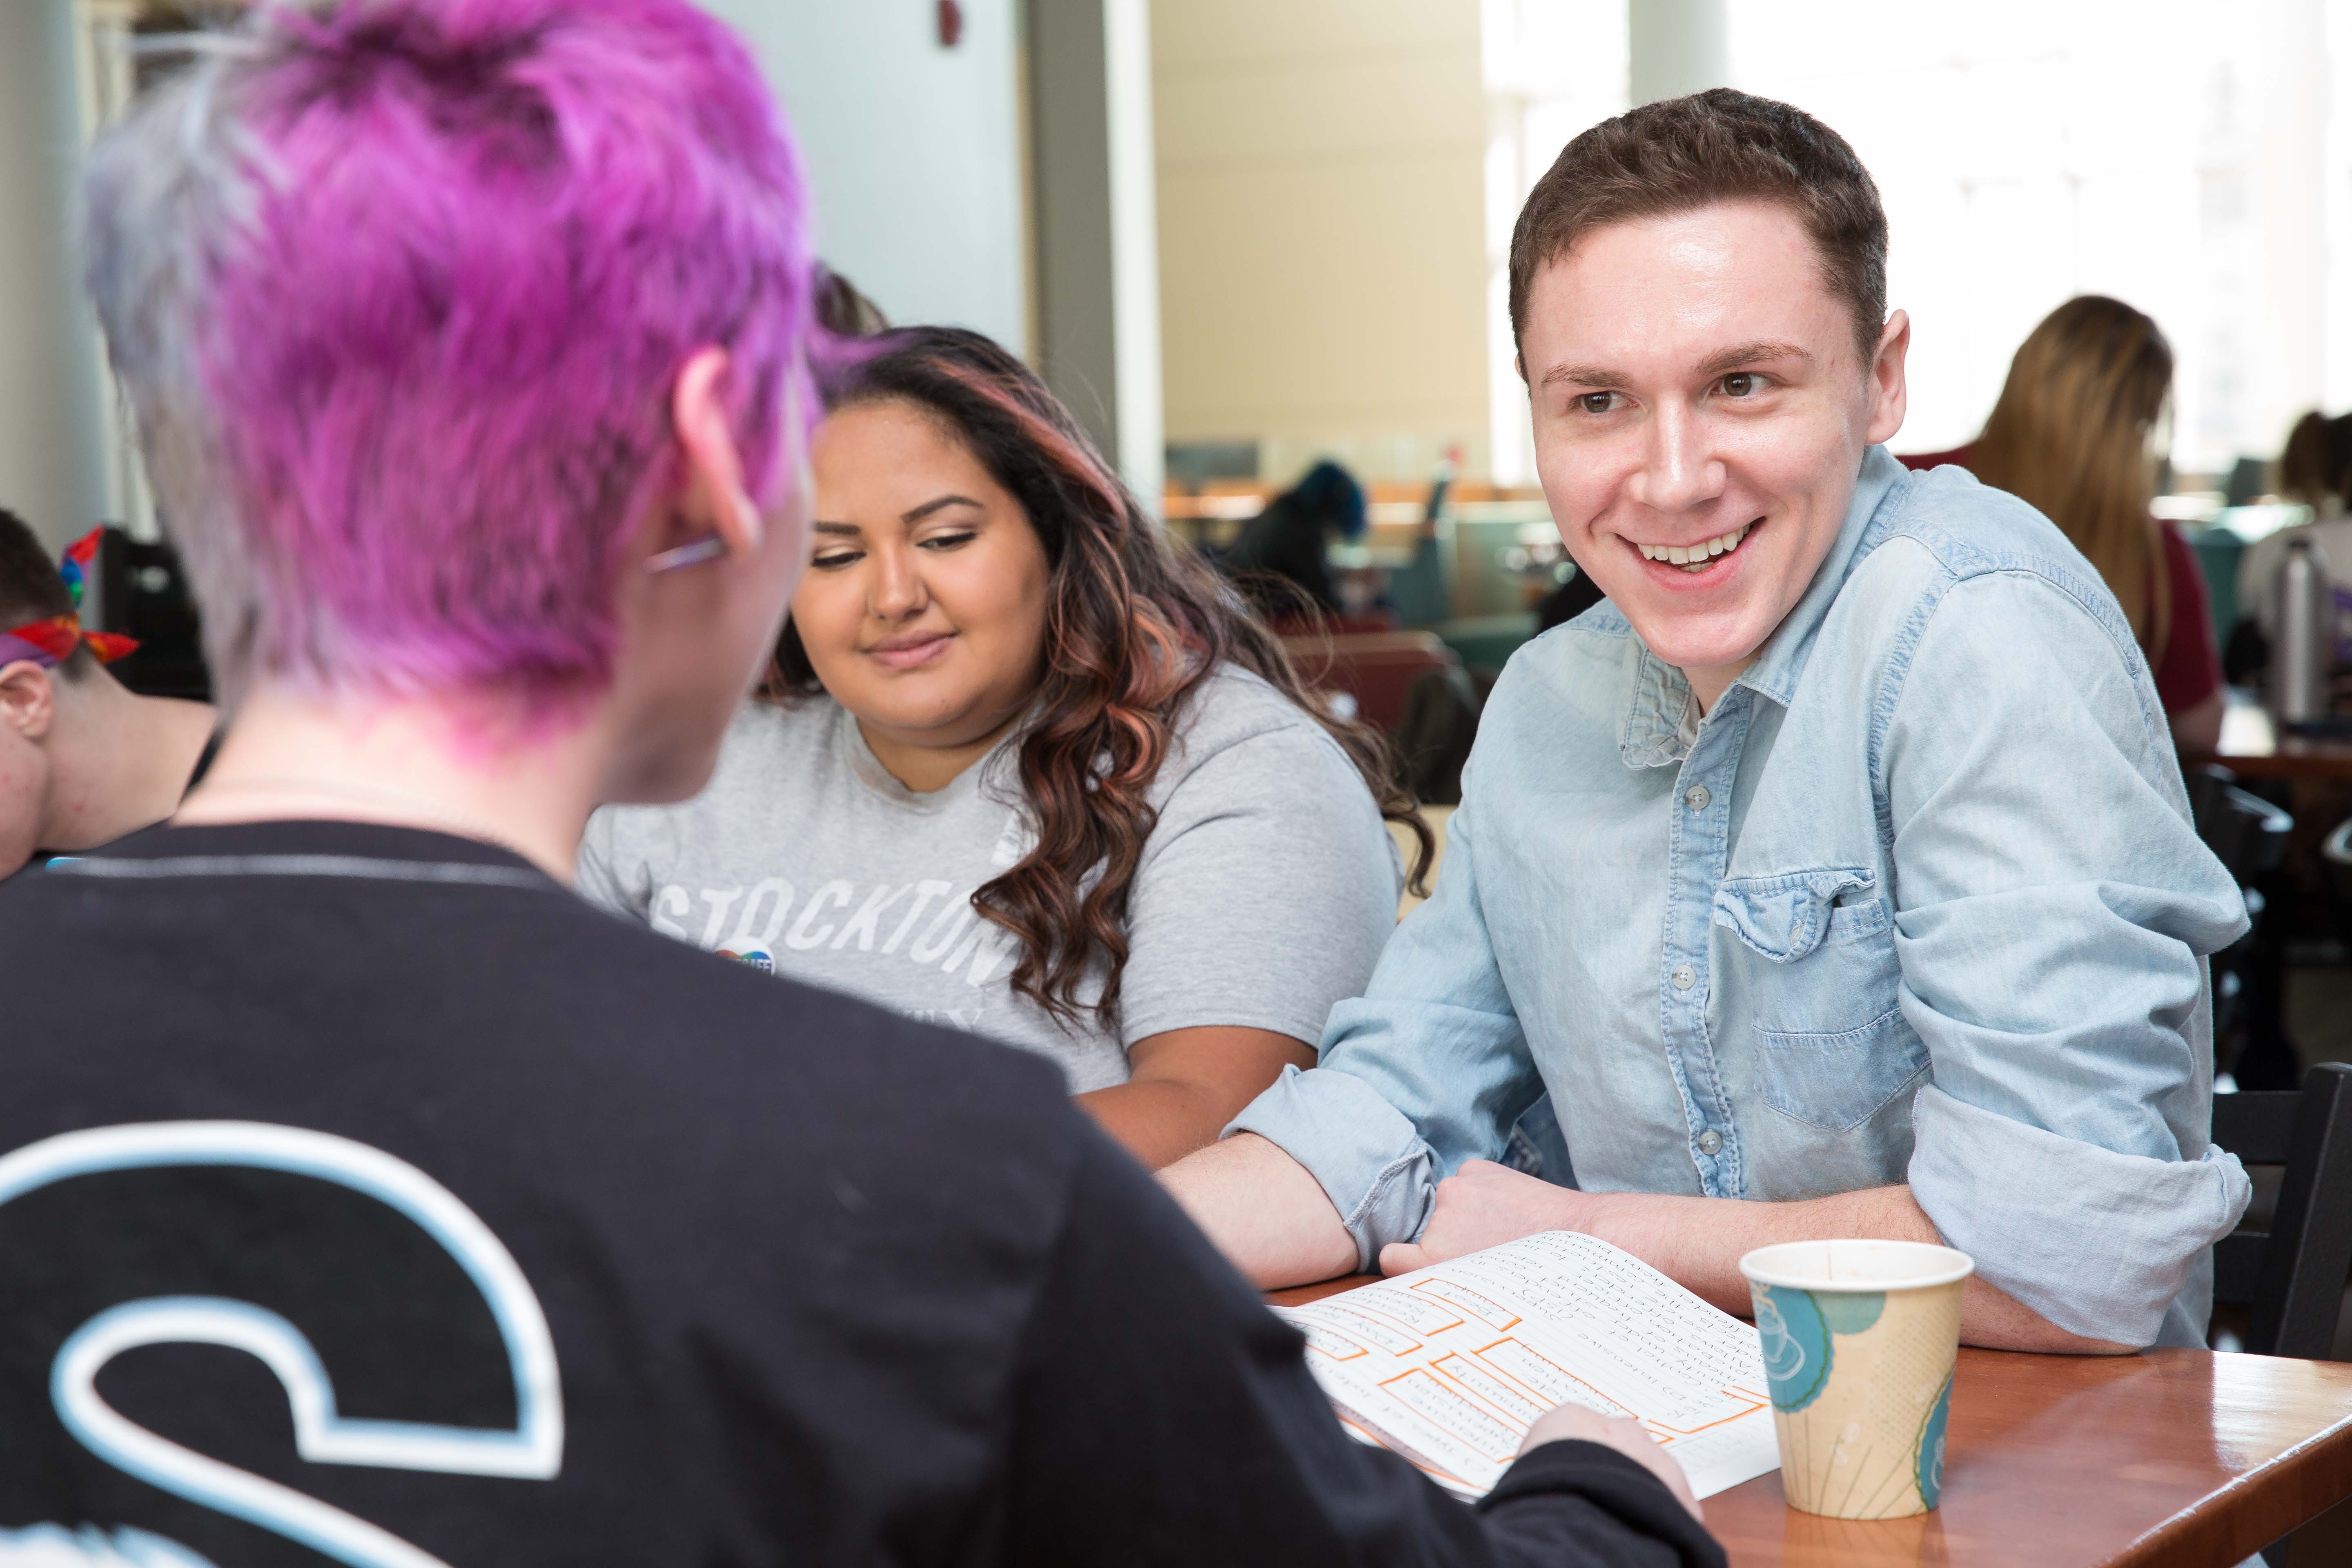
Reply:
x=2307 y=640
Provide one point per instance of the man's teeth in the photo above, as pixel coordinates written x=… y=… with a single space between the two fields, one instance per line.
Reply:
x=1694 y=557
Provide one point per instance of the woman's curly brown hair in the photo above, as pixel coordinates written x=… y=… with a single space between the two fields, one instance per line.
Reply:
x=1133 y=625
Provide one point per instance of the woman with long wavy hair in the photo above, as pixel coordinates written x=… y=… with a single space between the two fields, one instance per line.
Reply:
x=1026 y=769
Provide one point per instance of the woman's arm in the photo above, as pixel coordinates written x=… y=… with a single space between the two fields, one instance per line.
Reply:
x=1262 y=898
x=2189 y=667
x=2197 y=728
x=1187 y=1084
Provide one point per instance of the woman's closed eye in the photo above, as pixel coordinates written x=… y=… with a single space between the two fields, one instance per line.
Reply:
x=835 y=558
x=951 y=540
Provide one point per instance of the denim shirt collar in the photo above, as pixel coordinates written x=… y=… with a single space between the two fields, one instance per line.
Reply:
x=1657 y=692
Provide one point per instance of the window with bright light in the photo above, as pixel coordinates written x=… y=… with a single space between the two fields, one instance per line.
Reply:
x=2193 y=160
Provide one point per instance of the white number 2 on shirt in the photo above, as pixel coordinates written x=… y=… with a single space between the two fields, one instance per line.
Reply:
x=532 y=1450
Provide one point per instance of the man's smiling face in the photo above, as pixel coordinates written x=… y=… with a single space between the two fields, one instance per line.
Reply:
x=1701 y=407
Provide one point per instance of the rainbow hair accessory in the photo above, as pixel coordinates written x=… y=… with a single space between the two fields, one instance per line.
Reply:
x=52 y=642
x=49 y=643
x=82 y=560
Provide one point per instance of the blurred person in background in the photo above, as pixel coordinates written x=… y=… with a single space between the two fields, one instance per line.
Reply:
x=83 y=761
x=1279 y=562
x=842 y=311
x=2316 y=469
x=612 y=1253
x=2081 y=428
x=1026 y=770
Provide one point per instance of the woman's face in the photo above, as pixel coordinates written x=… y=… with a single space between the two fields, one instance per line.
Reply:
x=924 y=607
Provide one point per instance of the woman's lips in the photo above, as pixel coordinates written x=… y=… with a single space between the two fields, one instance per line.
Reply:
x=909 y=653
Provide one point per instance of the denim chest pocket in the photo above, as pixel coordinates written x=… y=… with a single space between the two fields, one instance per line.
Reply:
x=1832 y=1047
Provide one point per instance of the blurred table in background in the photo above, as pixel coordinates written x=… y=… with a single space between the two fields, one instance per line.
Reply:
x=2252 y=748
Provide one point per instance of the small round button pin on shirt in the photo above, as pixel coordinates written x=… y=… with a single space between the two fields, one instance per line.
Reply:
x=1684 y=976
x=1709 y=1141
x=1697 y=797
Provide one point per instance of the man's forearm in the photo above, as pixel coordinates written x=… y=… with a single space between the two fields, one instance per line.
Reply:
x=1266 y=1212
x=1698 y=1242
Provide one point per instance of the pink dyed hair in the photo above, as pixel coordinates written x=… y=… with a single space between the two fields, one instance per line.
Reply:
x=399 y=289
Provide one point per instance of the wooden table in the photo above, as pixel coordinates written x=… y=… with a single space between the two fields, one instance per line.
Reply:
x=2167 y=1459
x=2252 y=747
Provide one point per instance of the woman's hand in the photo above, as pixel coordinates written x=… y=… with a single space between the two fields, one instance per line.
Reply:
x=1621 y=1433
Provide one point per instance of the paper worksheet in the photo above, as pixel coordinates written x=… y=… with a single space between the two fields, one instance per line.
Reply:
x=1450 y=1364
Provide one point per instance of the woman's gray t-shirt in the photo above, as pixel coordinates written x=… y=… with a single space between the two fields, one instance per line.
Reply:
x=1263 y=895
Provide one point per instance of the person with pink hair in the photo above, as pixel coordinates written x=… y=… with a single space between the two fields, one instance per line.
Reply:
x=468 y=343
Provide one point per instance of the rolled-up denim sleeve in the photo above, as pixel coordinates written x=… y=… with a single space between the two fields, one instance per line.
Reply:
x=2054 y=907
x=1426 y=1069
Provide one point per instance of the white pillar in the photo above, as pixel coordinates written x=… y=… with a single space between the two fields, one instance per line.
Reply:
x=53 y=460
x=1097 y=237
x=1135 y=248
x=1678 y=46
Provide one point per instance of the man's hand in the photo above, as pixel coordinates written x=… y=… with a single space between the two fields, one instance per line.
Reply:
x=1621 y=1433
x=1484 y=1205
x=1266 y=1212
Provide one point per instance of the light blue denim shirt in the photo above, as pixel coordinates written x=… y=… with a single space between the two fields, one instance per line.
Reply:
x=1921 y=902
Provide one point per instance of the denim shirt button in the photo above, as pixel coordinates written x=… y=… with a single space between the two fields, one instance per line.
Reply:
x=1697 y=796
x=1684 y=977
x=1709 y=1141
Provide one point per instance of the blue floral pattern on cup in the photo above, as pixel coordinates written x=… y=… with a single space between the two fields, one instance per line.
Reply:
x=1931 y=1447
x=1797 y=1349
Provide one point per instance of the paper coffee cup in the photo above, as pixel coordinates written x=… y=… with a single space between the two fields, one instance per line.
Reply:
x=1860 y=1337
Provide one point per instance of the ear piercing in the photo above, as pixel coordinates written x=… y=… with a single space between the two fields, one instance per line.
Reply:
x=693 y=554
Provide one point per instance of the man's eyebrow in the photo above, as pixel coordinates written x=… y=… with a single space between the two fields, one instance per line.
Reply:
x=929 y=507
x=1750 y=354
x=1595 y=376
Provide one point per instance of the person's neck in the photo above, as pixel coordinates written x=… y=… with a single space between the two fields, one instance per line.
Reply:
x=119 y=761
x=926 y=769
x=442 y=765
x=1709 y=682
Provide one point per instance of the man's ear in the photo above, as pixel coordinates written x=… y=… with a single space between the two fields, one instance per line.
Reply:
x=712 y=502
x=28 y=702
x=1889 y=393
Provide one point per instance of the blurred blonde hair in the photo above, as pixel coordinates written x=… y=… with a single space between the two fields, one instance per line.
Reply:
x=2069 y=436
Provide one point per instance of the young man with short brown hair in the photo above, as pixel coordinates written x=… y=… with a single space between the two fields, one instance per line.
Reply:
x=1834 y=879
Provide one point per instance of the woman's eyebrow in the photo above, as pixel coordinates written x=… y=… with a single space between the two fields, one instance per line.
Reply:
x=929 y=507
x=848 y=528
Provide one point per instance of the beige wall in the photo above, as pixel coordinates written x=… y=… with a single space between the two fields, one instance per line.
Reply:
x=1322 y=267
x=52 y=453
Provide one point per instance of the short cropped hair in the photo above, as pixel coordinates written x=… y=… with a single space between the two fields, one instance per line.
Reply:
x=399 y=289
x=1720 y=145
x=30 y=586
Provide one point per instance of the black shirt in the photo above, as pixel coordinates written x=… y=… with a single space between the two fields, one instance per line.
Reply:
x=369 y=1195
